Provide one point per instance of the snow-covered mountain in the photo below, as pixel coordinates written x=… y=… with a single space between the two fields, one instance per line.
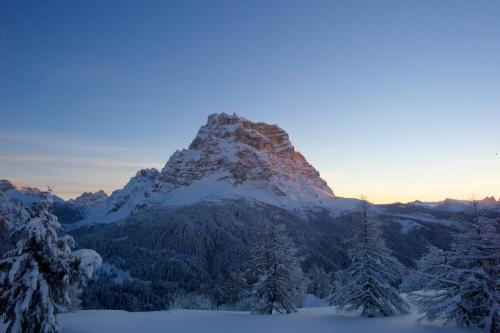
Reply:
x=230 y=158
x=89 y=199
x=453 y=205
x=24 y=195
x=459 y=206
x=232 y=150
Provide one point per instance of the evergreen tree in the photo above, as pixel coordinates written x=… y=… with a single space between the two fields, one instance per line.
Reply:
x=462 y=285
x=38 y=277
x=227 y=288
x=277 y=280
x=11 y=214
x=372 y=274
x=319 y=284
x=432 y=265
x=340 y=280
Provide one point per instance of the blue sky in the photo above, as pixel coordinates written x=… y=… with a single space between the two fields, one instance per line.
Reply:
x=399 y=100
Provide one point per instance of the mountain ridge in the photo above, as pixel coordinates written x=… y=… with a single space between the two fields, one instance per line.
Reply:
x=230 y=158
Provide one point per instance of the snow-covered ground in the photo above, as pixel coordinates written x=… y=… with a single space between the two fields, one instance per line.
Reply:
x=315 y=317
x=310 y=320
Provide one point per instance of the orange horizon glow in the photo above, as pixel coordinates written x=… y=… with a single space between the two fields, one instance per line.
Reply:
x=376 y=193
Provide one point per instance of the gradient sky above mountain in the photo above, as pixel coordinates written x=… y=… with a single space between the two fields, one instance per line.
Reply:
x=399 y=100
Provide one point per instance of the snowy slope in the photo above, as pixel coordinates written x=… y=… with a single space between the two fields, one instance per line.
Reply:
x=313 y=320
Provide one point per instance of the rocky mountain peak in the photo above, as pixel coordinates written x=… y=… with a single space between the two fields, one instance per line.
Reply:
x=490 y=200
x=20 y=194
x=238 y=151
x=236 y=129
x=90 y=199
x=6 y=185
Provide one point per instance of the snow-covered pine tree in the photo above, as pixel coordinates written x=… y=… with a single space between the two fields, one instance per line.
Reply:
x=478 y=259
x=227 y=288
x=38 y=276
x=372 y=274
x=462 y=285
x=429 y=268
x=319 y=284
x=340 y=280
x=11 y=214
x=277 y=279
x=438 y=286
x=411 y=282
x=5 y=224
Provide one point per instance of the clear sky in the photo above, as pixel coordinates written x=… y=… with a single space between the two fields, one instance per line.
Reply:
x=399 y=100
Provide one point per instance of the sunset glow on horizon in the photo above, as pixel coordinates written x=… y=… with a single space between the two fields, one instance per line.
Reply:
x=399 y=101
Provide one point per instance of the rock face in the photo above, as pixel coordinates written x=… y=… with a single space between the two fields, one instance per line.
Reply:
x=238 y=152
